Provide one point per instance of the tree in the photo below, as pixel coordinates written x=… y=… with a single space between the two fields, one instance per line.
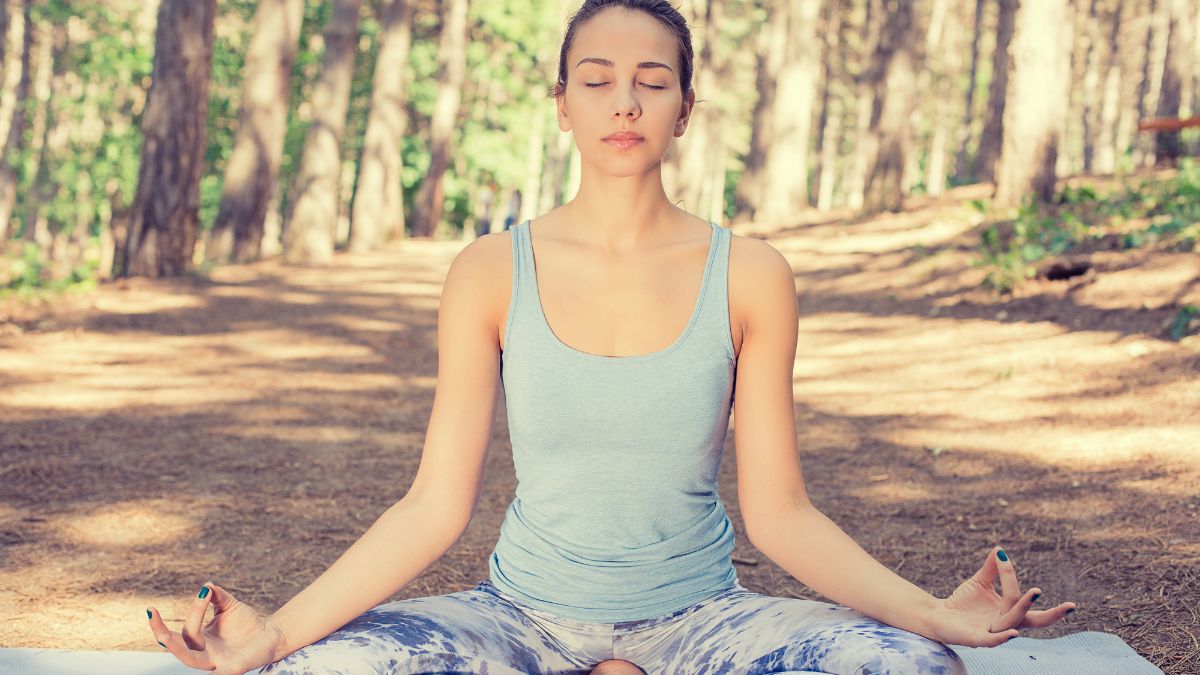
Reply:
x=452 y=60
x=892 y=77
x=785 y=188
x=378 y=211
x=311 y=223
x=163 y=218
x=1177 y=68
x=1037 y=101
x=992 y=139
x=962 y=164
x=16 y=128
x=253 y=164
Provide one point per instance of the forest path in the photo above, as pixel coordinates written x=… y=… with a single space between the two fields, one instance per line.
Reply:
x=247 y=427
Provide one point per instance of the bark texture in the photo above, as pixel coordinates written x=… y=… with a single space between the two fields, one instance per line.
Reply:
x=161 y=231
x=254 y=162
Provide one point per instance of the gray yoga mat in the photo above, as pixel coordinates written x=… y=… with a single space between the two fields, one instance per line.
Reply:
x=1090 y=652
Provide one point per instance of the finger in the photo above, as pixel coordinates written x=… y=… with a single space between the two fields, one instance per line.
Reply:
x=1045 y=617
x=987 y=573
x=222 y=600
x=1016 y=614
x=173 y=642
x=994 y=639
x=193 y=623
x=1009 y=588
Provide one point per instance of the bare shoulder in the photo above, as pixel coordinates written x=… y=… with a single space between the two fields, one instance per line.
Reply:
x=762 y=284
x=482 y=270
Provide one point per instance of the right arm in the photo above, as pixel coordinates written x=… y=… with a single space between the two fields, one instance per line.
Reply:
x=416 y=531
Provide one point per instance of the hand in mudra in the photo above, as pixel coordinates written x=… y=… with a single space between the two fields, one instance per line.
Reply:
x=976 y=616
x=236 y=640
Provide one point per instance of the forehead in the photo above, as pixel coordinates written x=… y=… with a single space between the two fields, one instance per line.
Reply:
x=625 y=37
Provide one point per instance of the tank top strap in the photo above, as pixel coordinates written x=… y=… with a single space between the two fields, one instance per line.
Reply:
x=523 y=301
x=713 y=325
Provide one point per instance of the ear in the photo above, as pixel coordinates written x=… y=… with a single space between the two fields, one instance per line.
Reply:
x=564 y=122
x=685 y=113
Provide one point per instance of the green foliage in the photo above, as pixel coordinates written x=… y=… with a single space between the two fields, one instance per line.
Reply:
x=1182 y=322
x=1161 y=212
x=29 y=276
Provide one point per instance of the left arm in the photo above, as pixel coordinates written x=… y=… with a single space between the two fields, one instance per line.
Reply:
x=781 y=521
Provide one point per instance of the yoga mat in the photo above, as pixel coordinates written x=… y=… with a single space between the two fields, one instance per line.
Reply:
x=1091 y=652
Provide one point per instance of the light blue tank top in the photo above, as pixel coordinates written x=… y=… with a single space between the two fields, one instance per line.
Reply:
x=616 y=515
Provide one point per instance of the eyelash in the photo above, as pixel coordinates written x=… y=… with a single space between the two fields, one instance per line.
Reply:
x=598 y=84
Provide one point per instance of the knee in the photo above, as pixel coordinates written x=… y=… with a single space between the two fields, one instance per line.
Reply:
x=912 y=654
x=616 y=667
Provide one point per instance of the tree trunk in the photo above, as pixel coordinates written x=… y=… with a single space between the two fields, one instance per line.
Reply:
x=991 y=141
x=1105 y=161
x=310 y=228
x=1091 y=87
x=378 y=212
x=162 y=225
x=893 y=80
x=452 y=62
x=785 y=189
x=962 y=162
x=829 y=121
x=768 y=53
x=702 y=147
x=1153 y=65
x=254 y=162
x=865 y=143
x=47 y=136
x=16 y=129
x=1037 y=101
x=1176 y=67
x=941 y=64
x=3 y=40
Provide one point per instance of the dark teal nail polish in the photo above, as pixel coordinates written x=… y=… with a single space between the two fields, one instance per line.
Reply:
x=1035 y=597
x=1002 y=555
x=203 y=593
x=149 y=615
x=1070 y=610
x=162 y=645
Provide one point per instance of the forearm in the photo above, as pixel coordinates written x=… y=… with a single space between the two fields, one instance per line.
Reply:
x=397 y=548
x=813 y=549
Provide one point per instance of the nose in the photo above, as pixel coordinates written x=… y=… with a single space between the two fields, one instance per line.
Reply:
x=625 y=103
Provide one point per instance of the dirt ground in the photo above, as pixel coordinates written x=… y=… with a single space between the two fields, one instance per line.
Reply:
x=247 y=426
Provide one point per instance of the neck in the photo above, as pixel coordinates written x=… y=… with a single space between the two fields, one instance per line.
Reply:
x=620 y=213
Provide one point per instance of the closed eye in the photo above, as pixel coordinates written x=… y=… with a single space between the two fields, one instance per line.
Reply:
x=601 y=84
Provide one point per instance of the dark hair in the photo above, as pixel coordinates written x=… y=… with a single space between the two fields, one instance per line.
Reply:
x=659 y=9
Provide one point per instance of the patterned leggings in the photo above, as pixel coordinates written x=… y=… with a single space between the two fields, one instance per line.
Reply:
x=737 y=631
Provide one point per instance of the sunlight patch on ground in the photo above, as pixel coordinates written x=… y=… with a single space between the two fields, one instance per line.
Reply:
x=127 y=524
x=886 y=491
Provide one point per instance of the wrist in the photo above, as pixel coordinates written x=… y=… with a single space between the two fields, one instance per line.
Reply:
x=279 y=641
x=928 y=618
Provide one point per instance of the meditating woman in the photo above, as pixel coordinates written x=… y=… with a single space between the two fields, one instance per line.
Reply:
x=628 y=332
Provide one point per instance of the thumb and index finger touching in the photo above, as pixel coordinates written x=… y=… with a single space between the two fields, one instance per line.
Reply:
x=188 y=645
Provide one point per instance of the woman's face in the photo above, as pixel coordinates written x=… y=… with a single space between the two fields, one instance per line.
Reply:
x=623 y=75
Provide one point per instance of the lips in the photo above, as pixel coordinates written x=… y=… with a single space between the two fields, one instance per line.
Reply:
x=623 y=139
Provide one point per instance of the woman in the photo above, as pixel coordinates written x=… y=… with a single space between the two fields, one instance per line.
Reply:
x=619 y=352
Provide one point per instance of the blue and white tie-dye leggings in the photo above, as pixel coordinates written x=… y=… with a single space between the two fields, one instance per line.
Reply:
x=737 y=631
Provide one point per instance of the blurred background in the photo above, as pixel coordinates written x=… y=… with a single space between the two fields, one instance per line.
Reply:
x=298 y=128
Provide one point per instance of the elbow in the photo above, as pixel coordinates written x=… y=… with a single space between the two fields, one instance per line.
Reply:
x=763 y=530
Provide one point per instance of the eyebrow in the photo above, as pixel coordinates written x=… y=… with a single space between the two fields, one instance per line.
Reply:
x=610 y=64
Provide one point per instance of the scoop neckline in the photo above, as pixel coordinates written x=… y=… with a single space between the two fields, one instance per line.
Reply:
x=687 y=329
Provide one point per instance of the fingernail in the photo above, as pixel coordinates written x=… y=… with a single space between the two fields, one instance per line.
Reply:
x=1070 y=610
x=1035 y=597
x=162 y=645
x=149 y=615
x=203 y=593
x=1002 y=555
